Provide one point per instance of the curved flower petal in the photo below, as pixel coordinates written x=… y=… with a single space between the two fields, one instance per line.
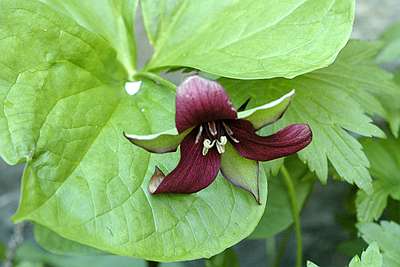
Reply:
x=199 y=100
x=283 y=143
x=193 y=173
x=167 y=141
x=240 y=171
x=268 y=113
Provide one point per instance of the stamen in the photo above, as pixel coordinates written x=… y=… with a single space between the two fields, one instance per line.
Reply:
x=213 y=128
x=199 y=134
x=234 y=139
x=229 y=131
x=221 y=144
x=207 y=144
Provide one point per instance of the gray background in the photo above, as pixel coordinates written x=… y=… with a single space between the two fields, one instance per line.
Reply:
x=321 y=232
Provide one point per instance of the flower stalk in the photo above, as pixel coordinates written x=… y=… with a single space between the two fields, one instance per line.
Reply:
x=295 y=215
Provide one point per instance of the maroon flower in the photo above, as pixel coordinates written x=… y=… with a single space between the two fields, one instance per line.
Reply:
x=213 y=136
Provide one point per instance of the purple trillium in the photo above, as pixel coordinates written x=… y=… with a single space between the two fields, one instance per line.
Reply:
x=213 y=136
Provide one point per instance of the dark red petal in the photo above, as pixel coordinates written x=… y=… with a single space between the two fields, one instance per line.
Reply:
x=287 y=141
x=199 y=100
x=193 y=173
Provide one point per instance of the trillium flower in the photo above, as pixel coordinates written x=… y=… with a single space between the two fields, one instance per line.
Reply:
x=213 y=136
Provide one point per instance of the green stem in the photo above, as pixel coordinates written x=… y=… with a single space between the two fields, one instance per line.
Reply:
x=156 y=78
x=270 y=245
x=295 y=214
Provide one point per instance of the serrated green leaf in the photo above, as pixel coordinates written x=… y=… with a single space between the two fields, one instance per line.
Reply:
x=387 y=236
x=113 y=20
x=331 y=100
x=391 y=50
x=380 y=95
x=384 y=156
x=247 y=39
x=64 y=110
x=311 y=264
x=392 y=104
x=371 y=257
x=370 y=207
x=55 y=244
x=278 y=215
x=228 y=258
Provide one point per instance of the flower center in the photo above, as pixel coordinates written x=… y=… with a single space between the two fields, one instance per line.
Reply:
x=215 y=134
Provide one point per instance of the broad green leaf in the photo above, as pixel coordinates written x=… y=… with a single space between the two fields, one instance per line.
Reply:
x=63 y=252
x=278 y=215
x=384 y=156
x=29 y=252
x=247 y=39
x=166 y=141
x=61 y=63
x=64 y=110
x=55 y=244
x=391 y=51
x=30 y=264
x=371 y=257
x=112 y=19
x=331 y=100
x=387 y=236
x=242 y=172
x=228 y=258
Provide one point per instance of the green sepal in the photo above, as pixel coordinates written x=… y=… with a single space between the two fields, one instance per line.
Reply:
x=263 y=115
x=163 y=142
x=240 y=171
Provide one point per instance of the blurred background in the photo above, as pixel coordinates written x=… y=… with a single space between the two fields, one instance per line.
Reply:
x=323 y=218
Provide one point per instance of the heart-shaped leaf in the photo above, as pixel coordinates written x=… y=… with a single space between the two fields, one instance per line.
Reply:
x=113 y=20
x=64 y=110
